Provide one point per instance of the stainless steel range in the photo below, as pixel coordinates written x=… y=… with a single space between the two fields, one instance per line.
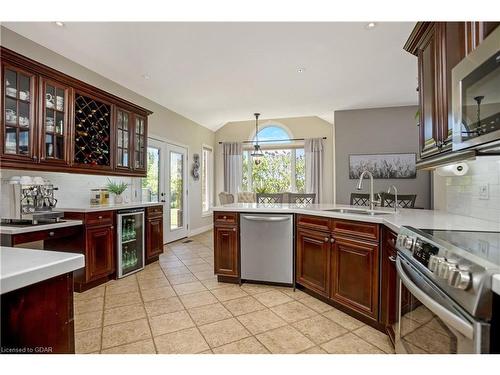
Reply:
x=445 y=302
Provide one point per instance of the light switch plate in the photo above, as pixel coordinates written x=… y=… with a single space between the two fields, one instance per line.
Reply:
x=484 y=191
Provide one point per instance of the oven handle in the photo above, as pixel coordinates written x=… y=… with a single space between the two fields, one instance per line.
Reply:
x=461 y=325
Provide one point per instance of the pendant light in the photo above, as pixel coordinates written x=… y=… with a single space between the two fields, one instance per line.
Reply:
x=257 y=153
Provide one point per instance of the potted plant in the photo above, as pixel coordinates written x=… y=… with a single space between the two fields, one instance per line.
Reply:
x=117 y=189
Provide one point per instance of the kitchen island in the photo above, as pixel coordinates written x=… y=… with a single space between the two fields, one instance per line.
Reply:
x=343 y=255
x=37 y=300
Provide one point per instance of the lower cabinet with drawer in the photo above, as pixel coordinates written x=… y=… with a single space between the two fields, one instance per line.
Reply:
x=226 y=247
x=339 y=260
x=97 y=243
x=154 y=233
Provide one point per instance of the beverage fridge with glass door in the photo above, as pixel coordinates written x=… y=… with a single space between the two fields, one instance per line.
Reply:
x=130 y=241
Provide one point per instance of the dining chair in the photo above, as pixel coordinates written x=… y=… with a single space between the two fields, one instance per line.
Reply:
x=246 y=197
x=297 y=198
x=226 y=198
x=404 y=201
x=360 y=199
x=270 y=198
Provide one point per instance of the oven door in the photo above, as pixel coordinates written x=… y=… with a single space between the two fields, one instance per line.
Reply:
x=428 y=320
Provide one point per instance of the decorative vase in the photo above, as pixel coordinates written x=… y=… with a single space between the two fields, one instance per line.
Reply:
x=118 y=199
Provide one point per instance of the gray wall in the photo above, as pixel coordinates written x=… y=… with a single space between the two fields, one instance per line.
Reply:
x=372 y=131
x=163 y=123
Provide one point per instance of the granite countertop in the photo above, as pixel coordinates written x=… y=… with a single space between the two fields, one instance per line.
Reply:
x=420 y=219
x=14 y=229
x=110 y=207
x=22 y=267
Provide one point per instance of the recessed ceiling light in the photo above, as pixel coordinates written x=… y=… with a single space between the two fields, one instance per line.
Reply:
x=301 y=70
x=59 y=23
x=370 y=25
x=146 y=76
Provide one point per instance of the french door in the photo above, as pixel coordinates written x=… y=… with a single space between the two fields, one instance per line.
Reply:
x=167 y=180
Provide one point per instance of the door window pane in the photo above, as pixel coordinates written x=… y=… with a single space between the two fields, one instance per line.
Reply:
x=151 y=183
x=206 y=179
x=176 y=190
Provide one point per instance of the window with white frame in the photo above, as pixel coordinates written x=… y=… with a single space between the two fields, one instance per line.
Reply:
x=206 y=178
x=282 y=168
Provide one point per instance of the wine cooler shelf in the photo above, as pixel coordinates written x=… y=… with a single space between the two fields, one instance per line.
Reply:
x=57 y=123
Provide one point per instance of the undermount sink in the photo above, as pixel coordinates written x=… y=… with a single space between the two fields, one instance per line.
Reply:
x=358 y=212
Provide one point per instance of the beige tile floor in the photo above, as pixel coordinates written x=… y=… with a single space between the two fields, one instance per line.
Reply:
x=176 y=305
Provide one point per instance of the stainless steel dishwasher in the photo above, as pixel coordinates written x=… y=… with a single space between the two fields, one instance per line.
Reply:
x=267 y=247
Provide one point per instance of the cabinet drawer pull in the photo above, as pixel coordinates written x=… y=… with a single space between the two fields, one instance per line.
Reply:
x=51 y=234
x=224 y=217
x=327 y=239
x=392 y=258
x=332 y=240
x=99 y=217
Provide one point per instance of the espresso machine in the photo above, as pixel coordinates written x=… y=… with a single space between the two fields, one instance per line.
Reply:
x=31 y=203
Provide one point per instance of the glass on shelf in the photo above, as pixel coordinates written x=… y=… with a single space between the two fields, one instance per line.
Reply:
x=10 y=140
x=49 y=120
x=49 y=145
x=59 y=124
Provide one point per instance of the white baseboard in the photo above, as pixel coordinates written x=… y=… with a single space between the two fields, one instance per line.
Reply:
x=200 y=230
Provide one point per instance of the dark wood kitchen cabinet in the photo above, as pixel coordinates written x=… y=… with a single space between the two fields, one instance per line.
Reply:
x=97 y=242
x=439 y=47
x=100 y=252
x=53 y=122
x=339 y=259
x=226 y=246
x=354 y=270
x=313 y=259
x=388 y=285
x=39 y=318
x=154 y=233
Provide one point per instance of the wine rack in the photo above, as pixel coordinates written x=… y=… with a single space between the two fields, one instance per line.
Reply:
x=92 y=131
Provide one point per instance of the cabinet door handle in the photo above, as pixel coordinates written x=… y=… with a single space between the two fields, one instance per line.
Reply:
x=112 y=227
x=392 y=258
x=51 y=234
x=99 y=217
x=327 y=239
x=224 y=217
x=234 y=229
x=332 y=240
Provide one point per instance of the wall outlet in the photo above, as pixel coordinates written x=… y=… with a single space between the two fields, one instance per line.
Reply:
x=484 y=191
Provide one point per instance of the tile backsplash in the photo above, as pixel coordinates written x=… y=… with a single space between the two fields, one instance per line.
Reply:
x=477 y=194
x=74 y=189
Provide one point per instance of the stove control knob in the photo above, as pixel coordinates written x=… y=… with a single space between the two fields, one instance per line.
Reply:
x=459 y=279
x=445 y=268
x=407 y=243
x=434 y=261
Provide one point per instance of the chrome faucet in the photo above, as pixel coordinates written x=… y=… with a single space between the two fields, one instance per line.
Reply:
x=396 y=204
x=373 y=202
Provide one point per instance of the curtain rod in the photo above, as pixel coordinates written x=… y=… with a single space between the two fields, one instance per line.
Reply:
x=275 y=140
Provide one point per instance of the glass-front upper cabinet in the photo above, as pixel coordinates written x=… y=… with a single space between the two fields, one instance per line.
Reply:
x=18 y=125
x=123 y=137
x=54 y=124
x=140 y=143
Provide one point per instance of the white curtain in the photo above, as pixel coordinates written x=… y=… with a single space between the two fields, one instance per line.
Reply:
x=313 y=149
x=232 y=153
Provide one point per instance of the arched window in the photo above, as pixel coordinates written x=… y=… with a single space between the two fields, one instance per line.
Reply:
x=282 y=168
x=274 y=133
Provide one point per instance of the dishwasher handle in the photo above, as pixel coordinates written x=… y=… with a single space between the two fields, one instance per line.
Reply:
x=266 y=218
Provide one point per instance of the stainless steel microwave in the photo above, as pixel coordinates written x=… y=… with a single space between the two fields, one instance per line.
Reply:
x=476 y=97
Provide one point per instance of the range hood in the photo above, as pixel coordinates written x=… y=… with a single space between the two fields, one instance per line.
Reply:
x=441 y=160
